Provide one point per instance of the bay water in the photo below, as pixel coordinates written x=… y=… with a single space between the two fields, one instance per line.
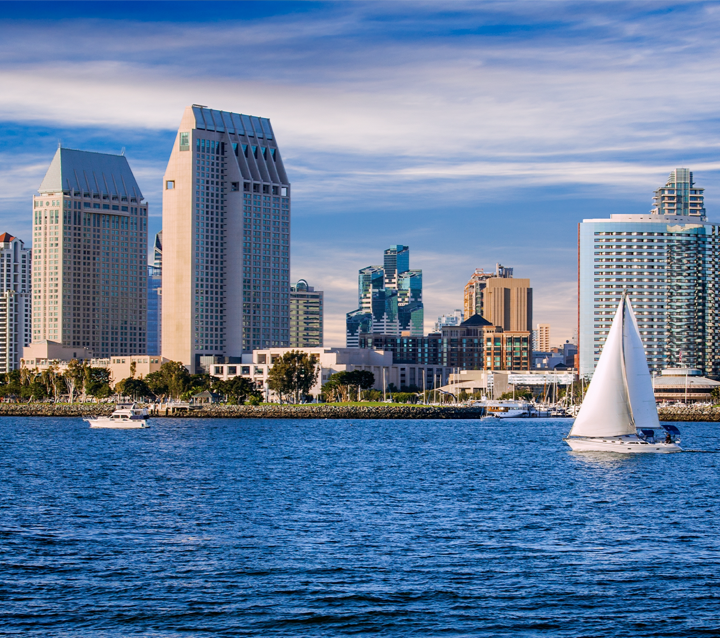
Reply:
x=367 y=528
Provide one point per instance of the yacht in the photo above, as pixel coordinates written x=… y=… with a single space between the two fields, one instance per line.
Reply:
x=619 y=413
x=505 y=409
x=125 y=417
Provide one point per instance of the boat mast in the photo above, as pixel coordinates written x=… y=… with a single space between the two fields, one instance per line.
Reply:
x=622 y=357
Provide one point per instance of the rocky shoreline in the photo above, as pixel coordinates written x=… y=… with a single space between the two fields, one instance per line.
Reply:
x=323 y=411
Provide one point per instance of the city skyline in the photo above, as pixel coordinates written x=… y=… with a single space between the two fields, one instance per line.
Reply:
x=565 y=136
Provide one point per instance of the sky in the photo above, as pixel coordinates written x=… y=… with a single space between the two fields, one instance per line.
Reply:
x=474 y=132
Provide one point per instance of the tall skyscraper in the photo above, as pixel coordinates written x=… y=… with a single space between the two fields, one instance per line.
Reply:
x=226 y=239
x=306 y=316
x=668 y=262
x=389 y=299
x=474 y=297
x=154 y=303
x=15 y=305
x=89 y=255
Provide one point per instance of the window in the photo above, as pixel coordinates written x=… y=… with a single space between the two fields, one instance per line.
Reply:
x=184 y=141
x=235 y=186
x=170 y=184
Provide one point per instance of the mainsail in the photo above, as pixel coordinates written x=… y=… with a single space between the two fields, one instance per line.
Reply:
x=620 y=397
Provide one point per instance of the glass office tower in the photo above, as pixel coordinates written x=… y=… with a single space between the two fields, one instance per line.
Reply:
x=669 y=265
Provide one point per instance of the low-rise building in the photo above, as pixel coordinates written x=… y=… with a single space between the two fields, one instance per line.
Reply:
x=683 y=385
x=256 y=367
x=41 y=355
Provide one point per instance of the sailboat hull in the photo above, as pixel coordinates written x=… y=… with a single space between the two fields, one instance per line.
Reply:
x=620 y=445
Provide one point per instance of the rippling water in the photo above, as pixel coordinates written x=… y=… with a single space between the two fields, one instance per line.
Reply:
x=322 y=528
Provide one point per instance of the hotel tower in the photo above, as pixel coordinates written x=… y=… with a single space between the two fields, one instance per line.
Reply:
x=89 y=274
x=669 y=262
x=226 y=240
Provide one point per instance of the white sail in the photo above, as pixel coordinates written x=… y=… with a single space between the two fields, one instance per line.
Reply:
x=606 y=410
x=639 y=382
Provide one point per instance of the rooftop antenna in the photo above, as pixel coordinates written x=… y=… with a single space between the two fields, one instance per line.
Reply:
x=59 y=143
x=122 y=151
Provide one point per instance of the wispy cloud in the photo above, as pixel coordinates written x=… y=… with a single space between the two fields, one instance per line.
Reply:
x=477 y=132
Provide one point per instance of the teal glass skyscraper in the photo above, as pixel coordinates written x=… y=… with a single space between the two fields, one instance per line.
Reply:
x=389 y=299
x=668 y=262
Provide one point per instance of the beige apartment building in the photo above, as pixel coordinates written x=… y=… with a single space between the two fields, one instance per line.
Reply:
x=89 y=280
x=226 y=239
x=499 y=298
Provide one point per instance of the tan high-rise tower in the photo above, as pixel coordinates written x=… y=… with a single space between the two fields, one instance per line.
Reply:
x=89 y=283
x=226 y=239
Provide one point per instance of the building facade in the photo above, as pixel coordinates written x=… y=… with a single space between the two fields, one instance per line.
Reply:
x=226 y=239
x=154 y=300
x=669 y=266
x=541 y=337
x=306 y=316
x=15 y=304
x=389 y=299
x=89 y=255
x=455 y=318
x=474 y=294
x=257 y=365
x=473 y=345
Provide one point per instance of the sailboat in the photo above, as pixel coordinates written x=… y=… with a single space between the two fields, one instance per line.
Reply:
x=619 y=413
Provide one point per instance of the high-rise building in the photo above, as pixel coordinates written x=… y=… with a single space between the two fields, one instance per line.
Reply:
x=226 y=239
x=455 y=318
x=154 y=303
x=306 y=316
x=541 y=338
x=668 y=261
x=679 y=196
x=89 y=255
x=389 y=299
x=474 y=297
x=15 y=304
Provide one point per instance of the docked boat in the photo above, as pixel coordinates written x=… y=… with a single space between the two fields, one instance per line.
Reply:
x=619 y=413
x=125 y=417
x=505 y=409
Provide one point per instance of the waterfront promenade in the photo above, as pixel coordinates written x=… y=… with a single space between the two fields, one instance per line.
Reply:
x=312 y=411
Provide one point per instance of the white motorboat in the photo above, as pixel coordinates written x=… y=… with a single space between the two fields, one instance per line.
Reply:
x=619 y=413
x=125 y=417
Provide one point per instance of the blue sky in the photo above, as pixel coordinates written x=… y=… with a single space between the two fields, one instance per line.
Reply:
x=475 y=133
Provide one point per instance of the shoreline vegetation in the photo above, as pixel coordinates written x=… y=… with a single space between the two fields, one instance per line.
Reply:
x=308 y=411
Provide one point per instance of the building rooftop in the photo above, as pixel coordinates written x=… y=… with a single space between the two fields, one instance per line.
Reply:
x=6 y=237
x=475 y=320
x=90 y=172
x=221 y=121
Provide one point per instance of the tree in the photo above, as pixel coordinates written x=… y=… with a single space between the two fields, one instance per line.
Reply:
x=238 y=390
x=132 y=387
x=133 y=368
x=341 y=385
x=97 y=382
x=293 y=374
x=171 y=380
x=75 y=377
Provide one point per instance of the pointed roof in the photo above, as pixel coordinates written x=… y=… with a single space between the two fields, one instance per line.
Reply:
x=89 y=172
x=474 y=321
x=6 y=237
